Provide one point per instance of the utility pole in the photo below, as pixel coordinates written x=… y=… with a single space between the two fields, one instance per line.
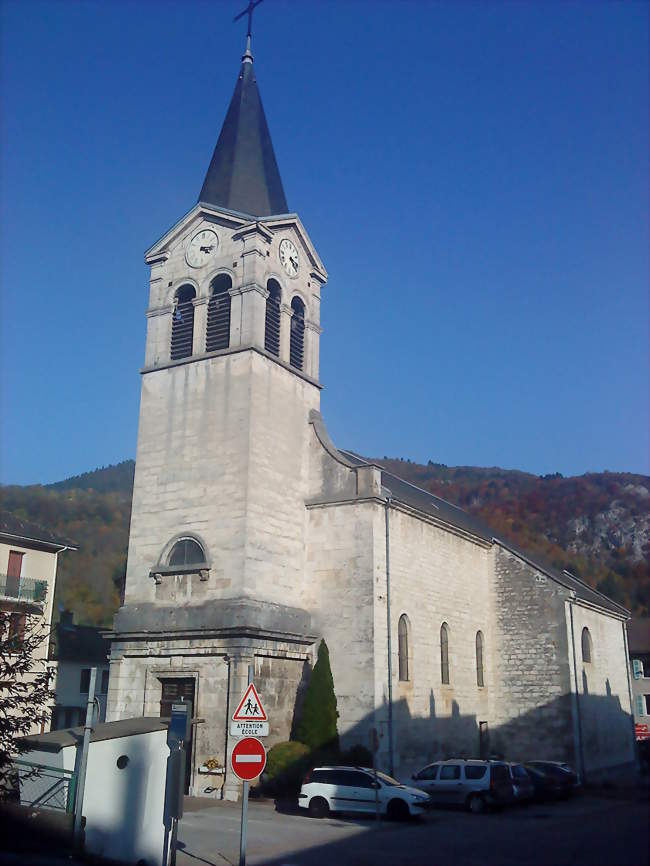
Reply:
x=244 y=796
x=83 y=763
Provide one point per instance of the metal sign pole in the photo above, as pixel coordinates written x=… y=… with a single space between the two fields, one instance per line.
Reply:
x=83 y=764
x=244 y=799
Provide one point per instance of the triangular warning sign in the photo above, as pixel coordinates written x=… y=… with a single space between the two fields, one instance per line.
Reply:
x=250 y=707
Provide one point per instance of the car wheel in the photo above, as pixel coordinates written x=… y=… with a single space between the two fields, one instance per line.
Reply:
x=397 y=810
x=476 y=804
x=318 y=807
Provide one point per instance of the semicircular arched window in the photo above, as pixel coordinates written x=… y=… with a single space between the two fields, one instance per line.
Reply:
x=297 y=340
x=587 y=647
x=444 y=653
x=403 y=648
x=217 y=334
x=187 y=551
x=480 y=680
x=183 y=323
x=272 y=323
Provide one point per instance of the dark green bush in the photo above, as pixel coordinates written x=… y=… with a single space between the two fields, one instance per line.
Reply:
x=286 y=765
x=357 y=756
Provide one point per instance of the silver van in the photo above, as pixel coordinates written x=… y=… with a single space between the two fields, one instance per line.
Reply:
x=477 y=785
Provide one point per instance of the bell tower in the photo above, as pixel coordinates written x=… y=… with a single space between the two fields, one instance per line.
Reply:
x=217 y=540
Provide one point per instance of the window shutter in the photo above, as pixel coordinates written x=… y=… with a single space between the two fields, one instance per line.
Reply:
x=640 y=705
x=637 y=669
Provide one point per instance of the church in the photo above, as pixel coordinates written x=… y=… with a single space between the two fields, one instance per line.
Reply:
x=253 y=536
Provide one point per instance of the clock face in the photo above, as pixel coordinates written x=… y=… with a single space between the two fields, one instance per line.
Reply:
x=289 y=257
x=201 y=249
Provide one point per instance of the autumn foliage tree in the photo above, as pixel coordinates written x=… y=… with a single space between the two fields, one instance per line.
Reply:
x=26 y=693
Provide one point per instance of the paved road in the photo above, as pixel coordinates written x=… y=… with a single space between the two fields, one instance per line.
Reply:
x=587 y=831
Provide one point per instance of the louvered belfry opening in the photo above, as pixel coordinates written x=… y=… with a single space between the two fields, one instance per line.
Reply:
x=297 y=341
x=272 y=325
x=183 y=323
x=218 y=331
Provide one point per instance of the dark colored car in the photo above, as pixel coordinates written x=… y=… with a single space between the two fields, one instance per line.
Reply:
x=551 y=785
x=557 y=770
x=522 y=785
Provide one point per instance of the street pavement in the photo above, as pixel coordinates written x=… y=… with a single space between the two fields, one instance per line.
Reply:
x=585 y=831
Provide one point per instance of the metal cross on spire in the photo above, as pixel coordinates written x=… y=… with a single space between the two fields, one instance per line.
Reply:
x=248 y=11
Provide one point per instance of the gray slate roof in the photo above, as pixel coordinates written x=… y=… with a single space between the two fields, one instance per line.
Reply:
x=24 y=530
x=243 y=174
x=408 y=494
x=54 y=741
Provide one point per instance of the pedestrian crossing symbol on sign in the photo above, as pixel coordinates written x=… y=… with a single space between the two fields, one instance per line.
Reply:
x=250 y=719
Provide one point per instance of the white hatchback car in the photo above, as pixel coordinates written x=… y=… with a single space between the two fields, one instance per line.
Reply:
x=358 y=789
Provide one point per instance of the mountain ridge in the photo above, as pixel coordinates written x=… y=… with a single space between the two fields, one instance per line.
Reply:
x=596 y=525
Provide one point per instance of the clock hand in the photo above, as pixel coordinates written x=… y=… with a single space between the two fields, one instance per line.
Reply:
x=206 y=249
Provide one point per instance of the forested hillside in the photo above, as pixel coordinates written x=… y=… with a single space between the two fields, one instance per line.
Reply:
x=93 y=510
x=597 y=525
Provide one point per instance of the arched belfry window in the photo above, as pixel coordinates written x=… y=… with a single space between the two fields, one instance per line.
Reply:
x=297 y=341
x=444 y=653
x=217 y=335
x=186 y=551
x=480 y=680
x=587 y=647
x=403 y=647
x=272 y=324
x=183 y=323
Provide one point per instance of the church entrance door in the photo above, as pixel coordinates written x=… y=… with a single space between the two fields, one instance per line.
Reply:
x=173 y=691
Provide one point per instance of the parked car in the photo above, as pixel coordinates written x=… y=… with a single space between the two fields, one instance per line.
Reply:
x=549 y=785
x=522 y=785
x=557 y=769
x=358 y=789
x=477 y=785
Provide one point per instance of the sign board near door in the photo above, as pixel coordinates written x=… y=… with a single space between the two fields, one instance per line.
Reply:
x=250 y=719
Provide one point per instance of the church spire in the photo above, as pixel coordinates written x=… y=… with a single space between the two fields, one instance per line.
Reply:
x=243 y=174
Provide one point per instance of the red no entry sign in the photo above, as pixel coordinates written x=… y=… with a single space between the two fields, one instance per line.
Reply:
x=248 y=759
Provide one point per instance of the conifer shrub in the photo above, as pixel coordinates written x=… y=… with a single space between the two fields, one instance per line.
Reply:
x=317 y=726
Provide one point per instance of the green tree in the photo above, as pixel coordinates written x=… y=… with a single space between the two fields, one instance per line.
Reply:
x=26 y=695
x=317 y=726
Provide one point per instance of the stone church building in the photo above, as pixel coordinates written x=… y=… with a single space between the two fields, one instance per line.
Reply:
x=253 y=536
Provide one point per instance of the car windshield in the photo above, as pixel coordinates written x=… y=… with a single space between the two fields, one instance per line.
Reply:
x=387 y=780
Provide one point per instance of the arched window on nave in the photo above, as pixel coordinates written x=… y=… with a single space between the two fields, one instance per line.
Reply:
x=480 y=679
x=217 y=335
x=183 y=323
x=403 y=640
x=444 y=653
x=587 y=646
x=272 y=323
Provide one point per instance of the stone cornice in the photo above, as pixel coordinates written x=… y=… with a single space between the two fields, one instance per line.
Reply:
x=235 y=350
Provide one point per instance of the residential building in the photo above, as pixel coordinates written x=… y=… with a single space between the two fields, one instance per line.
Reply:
x=28 y=562
x=75 y=650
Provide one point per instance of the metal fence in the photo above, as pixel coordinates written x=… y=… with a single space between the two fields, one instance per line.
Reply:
x=46 y=787
x=23 y=588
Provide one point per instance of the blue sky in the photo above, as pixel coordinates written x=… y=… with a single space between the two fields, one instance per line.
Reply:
x=474 y=176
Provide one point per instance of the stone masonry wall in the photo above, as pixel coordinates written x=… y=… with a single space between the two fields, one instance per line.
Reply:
x=533 y=708
x=606 y=722
x=436 y=576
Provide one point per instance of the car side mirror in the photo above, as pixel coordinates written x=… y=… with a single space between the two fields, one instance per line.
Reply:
x=375 y=785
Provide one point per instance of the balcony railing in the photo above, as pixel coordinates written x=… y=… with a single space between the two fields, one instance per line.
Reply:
x=23 y=589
